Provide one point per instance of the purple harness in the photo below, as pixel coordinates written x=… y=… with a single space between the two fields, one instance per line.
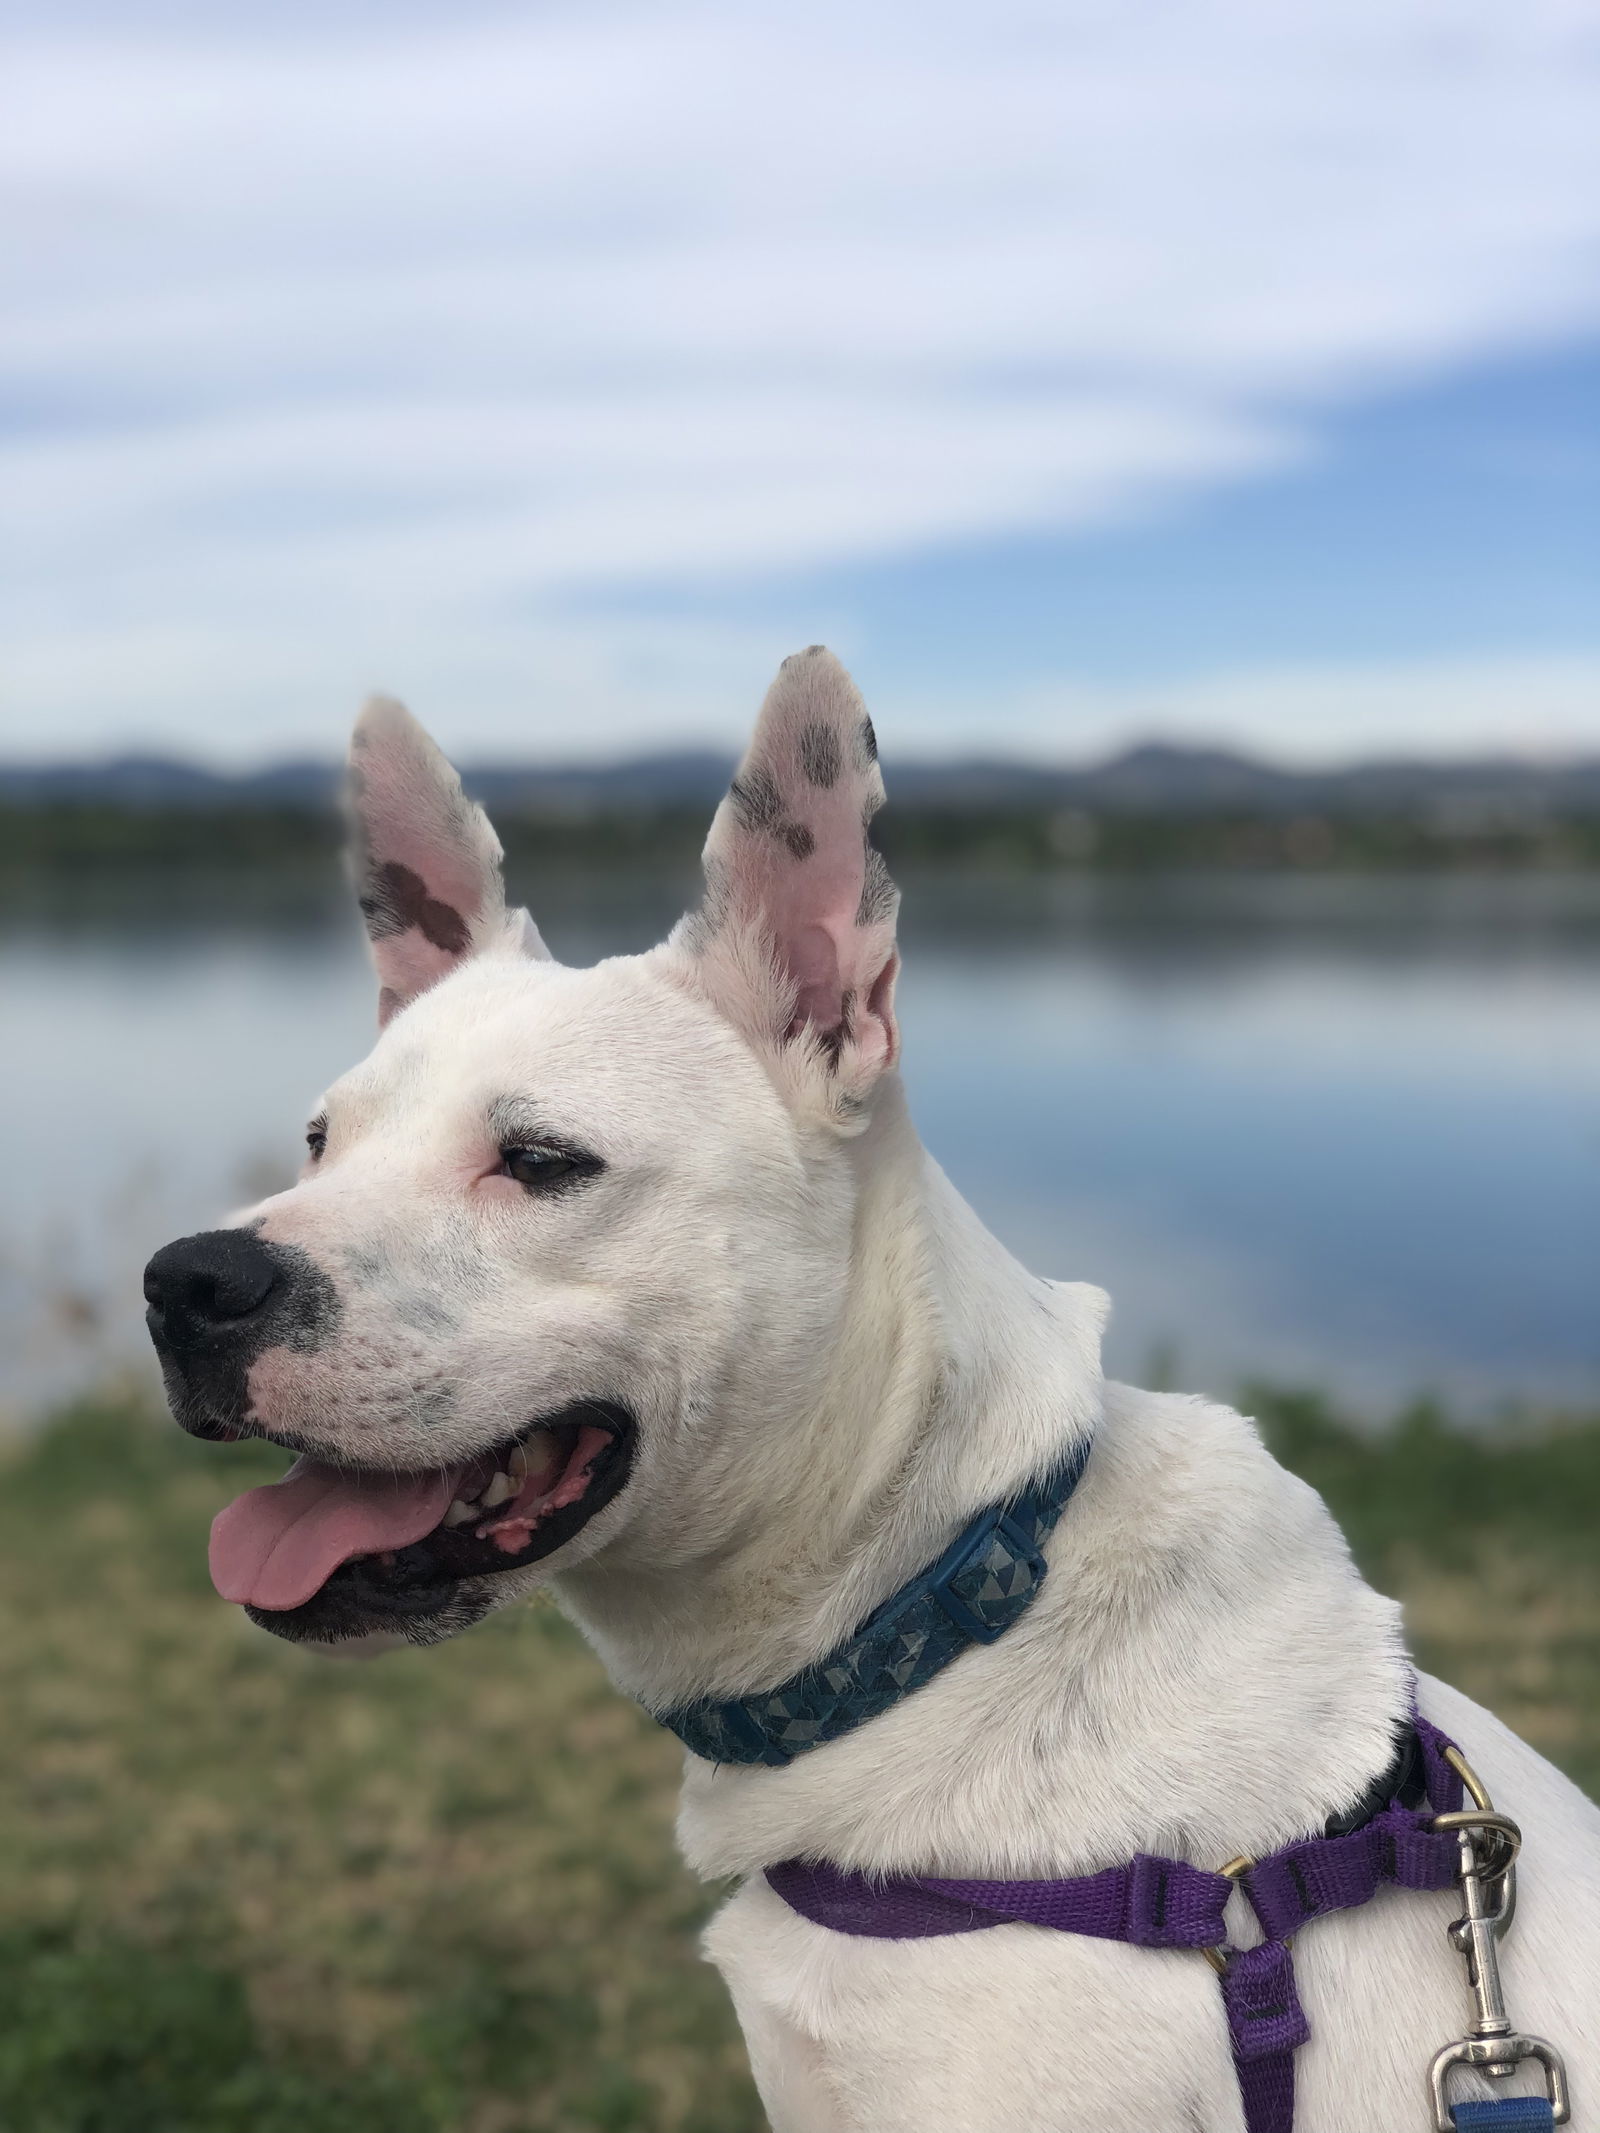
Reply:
x=1166 y=1903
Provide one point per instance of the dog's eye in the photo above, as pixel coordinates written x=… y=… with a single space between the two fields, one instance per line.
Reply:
x=541 y=1166
x=317 y=1138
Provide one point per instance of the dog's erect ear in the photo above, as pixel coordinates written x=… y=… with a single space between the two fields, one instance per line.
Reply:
x=795 y=936
x=426 y=862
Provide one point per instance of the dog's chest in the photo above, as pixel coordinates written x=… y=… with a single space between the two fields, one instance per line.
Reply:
x=1020 y=2030
x=1023 y=2030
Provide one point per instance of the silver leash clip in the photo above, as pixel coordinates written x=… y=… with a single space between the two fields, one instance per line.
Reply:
x=1489 y=1843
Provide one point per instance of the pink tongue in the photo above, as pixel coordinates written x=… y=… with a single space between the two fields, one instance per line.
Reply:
x=275 y=1547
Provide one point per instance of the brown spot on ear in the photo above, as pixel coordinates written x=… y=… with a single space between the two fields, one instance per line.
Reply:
x=397 y=899
x=799 y=839
x=866 y=743
x=757 y=800
x=389 y=1003
x=819 y=753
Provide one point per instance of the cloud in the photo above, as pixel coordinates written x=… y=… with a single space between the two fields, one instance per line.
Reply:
x=377 y=342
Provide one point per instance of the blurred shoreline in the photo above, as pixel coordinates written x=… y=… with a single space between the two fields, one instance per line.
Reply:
x=1151 y=809
x=275 y=846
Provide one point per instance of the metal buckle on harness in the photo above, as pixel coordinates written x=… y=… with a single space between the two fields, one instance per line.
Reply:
x=1218 y=1957
x=1489 y=1844
x=1506 y=1877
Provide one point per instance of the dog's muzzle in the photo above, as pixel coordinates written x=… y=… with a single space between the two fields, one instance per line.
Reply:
x=337 y=1550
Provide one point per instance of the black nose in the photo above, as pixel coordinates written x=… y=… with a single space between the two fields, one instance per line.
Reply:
x=207 y=1287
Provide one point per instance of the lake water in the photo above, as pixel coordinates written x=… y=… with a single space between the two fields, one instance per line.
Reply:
x=1341 y=1132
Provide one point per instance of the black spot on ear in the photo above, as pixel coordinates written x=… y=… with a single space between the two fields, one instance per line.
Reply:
x=397 y=899
x=819 y=753
x=866 y=742
x=878 y=893
x=757 y=800
x=799 y=839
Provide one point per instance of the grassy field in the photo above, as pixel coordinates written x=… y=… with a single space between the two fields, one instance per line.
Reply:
x=249 y=1892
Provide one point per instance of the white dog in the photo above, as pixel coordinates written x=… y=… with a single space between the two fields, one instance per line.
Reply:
x=636 y=1279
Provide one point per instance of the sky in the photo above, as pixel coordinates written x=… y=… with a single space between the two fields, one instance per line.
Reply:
x=1083 y=372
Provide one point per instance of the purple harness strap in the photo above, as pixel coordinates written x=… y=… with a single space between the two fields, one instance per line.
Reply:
x=1166 y=1903
x=1155 y=1903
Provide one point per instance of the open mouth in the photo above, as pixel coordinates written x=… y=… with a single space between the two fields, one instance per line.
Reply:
x=330 y=1552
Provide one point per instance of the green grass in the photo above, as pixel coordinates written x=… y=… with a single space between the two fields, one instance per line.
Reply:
x=246 y=1889
x=437 y=1892
x=1489 y=1537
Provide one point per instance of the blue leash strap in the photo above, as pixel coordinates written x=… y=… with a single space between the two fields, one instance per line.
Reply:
x=1509 y=2114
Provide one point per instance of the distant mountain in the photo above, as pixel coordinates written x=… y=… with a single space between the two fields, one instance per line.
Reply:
x=1154 y=779
x=139 y=781
x=157 y=781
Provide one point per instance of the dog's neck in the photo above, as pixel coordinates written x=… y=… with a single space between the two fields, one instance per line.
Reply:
x=1203 y=1673
x=955 y=1377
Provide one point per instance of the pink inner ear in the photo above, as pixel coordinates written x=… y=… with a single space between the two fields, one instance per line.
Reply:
x=789 y=856
x=802 y=875
x=821 y=858
x=813 y=963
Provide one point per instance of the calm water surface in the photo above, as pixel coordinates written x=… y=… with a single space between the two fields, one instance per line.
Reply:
x=1346 y=1133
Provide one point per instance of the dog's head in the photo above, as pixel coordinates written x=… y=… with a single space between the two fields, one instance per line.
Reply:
x=560 y=1225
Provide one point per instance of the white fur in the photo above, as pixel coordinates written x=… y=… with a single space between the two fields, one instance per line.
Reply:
x=834 y=1366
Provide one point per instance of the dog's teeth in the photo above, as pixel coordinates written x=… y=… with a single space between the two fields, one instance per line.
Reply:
x=541 y=1457
x=499 y=1491
x=459 y=1513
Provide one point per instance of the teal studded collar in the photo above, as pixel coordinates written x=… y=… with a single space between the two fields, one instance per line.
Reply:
x=984 y=1581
